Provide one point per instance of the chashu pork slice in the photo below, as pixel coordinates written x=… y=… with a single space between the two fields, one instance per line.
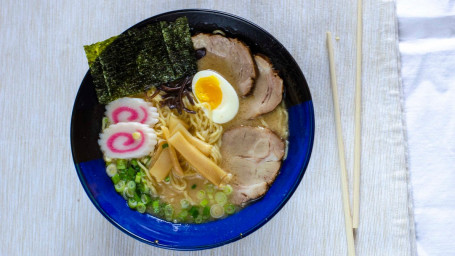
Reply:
x=229 y=57
x=253 y=155
x=268 y=89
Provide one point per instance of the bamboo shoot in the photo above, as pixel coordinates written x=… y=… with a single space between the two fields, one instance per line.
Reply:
x=199 y=161
x=204 y=147
x=174 y=121
x=161 y=168
x=175 y=161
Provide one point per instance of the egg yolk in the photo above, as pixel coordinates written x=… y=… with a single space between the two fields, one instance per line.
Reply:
x=208 y=90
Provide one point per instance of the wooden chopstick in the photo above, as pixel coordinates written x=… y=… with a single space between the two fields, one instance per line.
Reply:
x=341 y=154
x=357 y=119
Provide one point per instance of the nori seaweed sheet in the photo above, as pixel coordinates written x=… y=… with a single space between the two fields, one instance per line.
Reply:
x=102 y=91
x=152 y=61
x=179 y=46
x=118 y=61
x=141 y=58
x=94 y=50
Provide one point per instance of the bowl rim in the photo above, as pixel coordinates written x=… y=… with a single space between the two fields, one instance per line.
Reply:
x=291 y=190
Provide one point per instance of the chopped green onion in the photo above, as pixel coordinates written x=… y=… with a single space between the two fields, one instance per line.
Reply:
x=209 y=188
x=156 y=206
x=129 y=192
x=134 y=162
x=140 y=207
x=194 y=211
x=122 y=174
x=124 y=193
x=107 y=159
x=168 y=210
x=201 y=194
x=131 y=173
x=220 y=198
x=184 y=203
x=121 y=164
x=227 y=189
x=229 y=208
x=105 y=123
x=138 y=177
x=204 y=202
x=165 y=145
x=131 y=185
x=167 y=179
x=182 y=215
x=206 y=211
x=194 y=186
x=137 y=197
x=140 y=187
x=115 y=179
x=143 y=188
x=120 y=186
x=146 y=189
x=145 y=199
x=198 y=219
x=132 y=203
x=111 y=170
x=216 y=211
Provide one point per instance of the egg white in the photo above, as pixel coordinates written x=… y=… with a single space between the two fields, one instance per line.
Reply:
x=229 y=105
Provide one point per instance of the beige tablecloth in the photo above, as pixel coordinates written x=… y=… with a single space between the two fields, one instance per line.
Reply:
x=44 y=210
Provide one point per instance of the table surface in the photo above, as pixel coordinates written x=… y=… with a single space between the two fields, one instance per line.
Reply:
x=44 y=208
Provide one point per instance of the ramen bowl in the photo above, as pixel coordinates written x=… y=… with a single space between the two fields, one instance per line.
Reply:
x=90 y=166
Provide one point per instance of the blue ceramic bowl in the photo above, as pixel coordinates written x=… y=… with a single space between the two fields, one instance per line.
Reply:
x=90 y=167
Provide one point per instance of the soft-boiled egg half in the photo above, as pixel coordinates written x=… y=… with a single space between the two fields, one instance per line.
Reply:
x=216 y=94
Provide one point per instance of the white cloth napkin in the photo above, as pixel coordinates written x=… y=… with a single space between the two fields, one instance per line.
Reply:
x=427 y=46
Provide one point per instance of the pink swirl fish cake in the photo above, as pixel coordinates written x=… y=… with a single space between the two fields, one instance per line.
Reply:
x=127 y=140
x=131 y=110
